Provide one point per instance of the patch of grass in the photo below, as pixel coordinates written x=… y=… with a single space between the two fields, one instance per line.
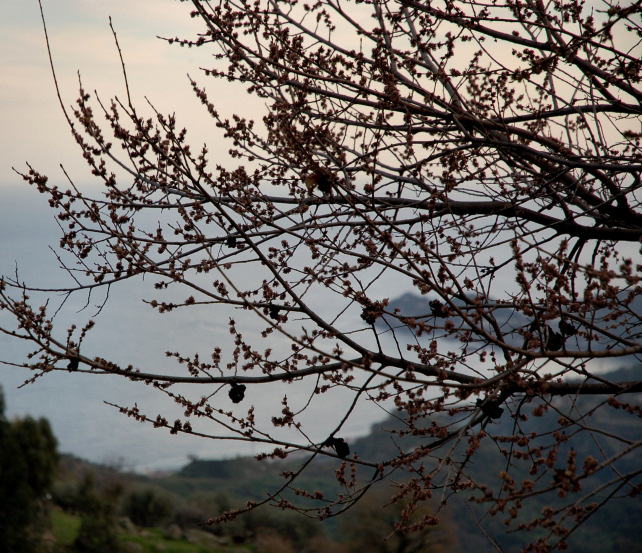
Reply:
x=65 y=529
x=64 y=526
x=151 y=543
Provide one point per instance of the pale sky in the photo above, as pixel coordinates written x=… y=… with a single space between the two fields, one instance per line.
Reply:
x=34 y=128
x=35 y=131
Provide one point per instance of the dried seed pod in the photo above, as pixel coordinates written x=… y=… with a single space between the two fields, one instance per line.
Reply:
x=567 y=329
x=490 y=408
x=439 y=309
x=320 y=179
x=237 y=392
x=554 y=340
x=274 y=312
x=339 y=445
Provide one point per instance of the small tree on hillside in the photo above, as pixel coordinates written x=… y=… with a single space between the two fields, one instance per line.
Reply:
x=98 y=532
x=486 y=156
x=28 y=461
x=370 y=526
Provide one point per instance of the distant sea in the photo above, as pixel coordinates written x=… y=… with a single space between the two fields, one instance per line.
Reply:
x=128 y=332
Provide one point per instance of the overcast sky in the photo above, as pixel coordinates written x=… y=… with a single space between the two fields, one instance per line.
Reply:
x=34 y=130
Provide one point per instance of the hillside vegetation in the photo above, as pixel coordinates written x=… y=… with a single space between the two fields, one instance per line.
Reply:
x=618 y=525
x=91 y=508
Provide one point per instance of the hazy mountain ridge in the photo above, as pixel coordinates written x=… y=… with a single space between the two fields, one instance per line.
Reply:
x=617 y=523
x=416 y=306
x=410 y=305
x=617 y=526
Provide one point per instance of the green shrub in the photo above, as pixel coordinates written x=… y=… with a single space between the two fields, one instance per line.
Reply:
x=28 y=459
x=149 y=506
x=98 y=528
x=64 y=493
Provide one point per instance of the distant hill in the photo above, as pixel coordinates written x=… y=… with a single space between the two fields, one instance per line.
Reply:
x=416 y=306
x=618 y=525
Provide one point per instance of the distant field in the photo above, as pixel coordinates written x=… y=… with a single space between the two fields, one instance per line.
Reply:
x=65 y=529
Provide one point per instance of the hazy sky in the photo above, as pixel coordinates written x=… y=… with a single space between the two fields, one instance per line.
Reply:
x=34 y=128
x=35 y=131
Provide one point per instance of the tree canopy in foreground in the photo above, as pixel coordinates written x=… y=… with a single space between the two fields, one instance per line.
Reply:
x=484 y=155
